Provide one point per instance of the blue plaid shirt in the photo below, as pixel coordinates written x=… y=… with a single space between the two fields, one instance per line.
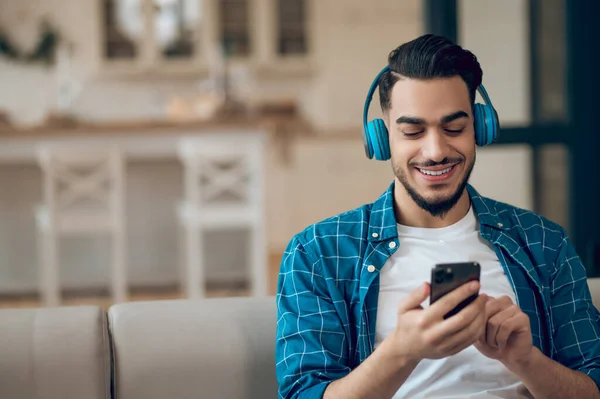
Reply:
x=327 y=293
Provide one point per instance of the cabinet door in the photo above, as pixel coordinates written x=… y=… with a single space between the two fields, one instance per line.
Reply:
x=291 y=28
x=234 y=24
x=177 y=26
x=151 y=34
x=123 y=29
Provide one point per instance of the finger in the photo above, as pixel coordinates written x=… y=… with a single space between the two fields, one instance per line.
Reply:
x=464 y=318
x=495 y=306
x=459 y=347
x=495 y=322
x=463 y=338
x=453 y=298
x=516 y=323
x=414 y=299
x=486 y=349
x=485 y=316
x=470 y=320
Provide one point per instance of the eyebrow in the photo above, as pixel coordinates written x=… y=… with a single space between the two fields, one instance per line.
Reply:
x=411 y=120
x=454 y=116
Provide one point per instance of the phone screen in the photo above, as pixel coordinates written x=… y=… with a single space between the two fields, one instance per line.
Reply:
x=446 y=277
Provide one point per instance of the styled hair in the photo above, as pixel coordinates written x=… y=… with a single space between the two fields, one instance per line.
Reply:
x=429 y=57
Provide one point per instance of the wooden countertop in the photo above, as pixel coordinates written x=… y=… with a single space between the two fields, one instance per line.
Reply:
x=277 y=124
x=152 y=138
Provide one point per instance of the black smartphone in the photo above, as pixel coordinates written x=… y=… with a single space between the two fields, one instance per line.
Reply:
x=446 y=277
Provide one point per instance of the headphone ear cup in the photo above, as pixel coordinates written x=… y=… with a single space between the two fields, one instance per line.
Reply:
x=377 y=140
x=486 y=124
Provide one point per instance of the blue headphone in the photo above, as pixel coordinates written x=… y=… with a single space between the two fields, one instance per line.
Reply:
x=375 y=134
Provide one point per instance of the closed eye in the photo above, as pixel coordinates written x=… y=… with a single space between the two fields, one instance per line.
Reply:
x=455 y=131
x=412 y=134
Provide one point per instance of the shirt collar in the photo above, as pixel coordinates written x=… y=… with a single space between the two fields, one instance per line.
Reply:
x=486 y=210
x=382 y=221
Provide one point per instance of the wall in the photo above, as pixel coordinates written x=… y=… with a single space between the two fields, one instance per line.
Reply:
x=497 y=32
x=354 y=42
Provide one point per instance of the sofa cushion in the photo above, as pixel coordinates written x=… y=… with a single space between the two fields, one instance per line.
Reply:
x=594 y=284
x=54 y=353
x=211 y=348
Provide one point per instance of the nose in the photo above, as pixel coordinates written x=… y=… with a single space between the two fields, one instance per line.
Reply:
x=435 y=146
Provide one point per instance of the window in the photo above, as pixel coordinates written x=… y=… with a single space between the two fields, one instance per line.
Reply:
x=291 y=27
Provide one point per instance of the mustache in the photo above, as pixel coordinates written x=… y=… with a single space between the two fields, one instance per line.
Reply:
x=430 y=163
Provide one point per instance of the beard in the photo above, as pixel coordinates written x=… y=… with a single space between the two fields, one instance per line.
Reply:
x=436 y=207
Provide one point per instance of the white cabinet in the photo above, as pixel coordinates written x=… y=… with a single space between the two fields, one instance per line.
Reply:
x=187 y=36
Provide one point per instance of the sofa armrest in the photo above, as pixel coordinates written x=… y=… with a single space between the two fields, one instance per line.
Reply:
x=54 y=353
x=211 y=348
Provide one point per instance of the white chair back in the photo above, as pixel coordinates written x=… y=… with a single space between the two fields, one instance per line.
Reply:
x=223 y=188
x=83 y=187
x=84 y=194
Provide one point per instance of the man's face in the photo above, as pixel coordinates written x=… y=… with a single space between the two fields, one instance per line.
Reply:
x=432 y=140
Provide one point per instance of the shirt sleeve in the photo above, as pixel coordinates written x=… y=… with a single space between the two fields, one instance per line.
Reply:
x=576 y=320
x=311 y=347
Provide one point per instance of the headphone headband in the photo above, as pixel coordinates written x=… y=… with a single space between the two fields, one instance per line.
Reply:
x=370 y=95
x=483 y=93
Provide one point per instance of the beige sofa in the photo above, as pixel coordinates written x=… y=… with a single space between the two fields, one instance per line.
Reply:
x=213 y=348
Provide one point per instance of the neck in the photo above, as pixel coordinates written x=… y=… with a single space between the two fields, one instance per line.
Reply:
x=408 y=213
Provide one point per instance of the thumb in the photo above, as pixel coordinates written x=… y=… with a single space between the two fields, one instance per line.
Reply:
x=414 y=299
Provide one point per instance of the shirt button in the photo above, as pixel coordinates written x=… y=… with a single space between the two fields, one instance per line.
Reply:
x=392 y=244
x=375 y=235
x=500 y=225
x=371 y=268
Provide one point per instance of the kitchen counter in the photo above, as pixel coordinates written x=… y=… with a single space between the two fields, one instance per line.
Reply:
x=149 y=139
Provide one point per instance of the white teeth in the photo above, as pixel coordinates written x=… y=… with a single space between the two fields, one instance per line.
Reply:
x=436 y=172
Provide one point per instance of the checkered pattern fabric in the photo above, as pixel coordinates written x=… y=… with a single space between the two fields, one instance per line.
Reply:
x=329 y=284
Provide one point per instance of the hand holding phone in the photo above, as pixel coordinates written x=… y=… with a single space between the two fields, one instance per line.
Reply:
x=430 y=333
x=446 y=277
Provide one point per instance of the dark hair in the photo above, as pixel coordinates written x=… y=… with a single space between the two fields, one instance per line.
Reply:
x=429 y=57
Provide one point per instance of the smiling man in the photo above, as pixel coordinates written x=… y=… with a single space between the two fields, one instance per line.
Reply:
x=354 y=319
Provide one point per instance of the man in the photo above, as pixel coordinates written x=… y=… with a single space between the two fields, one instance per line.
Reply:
x=353 y=314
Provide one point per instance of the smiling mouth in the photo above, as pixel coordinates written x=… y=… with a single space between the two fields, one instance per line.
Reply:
x=440 y=172
x=436 y=172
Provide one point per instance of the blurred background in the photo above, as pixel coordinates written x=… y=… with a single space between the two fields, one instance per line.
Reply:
x=148 y=144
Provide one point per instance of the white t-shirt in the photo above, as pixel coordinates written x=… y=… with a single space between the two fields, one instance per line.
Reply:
x=468 y=374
